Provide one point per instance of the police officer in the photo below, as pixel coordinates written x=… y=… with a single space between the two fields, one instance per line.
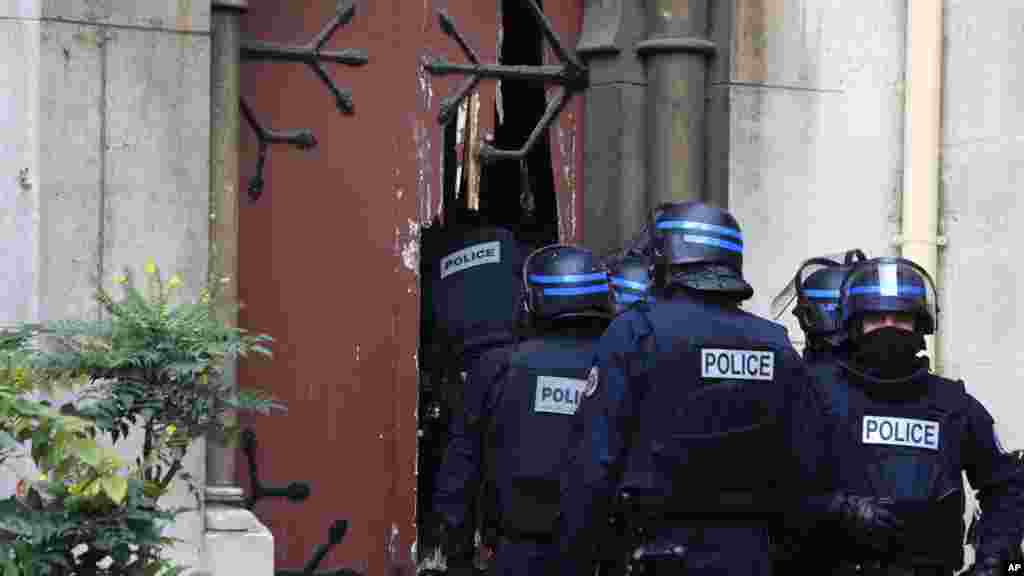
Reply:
x=702 y=424
x=519 y=401
x=903 y=435
x=815 y=290
x=630 y=278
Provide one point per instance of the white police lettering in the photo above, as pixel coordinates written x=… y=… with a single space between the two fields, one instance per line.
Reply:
x=737 y=364
x=558 y=395
x=900 y=432
x=486 y=253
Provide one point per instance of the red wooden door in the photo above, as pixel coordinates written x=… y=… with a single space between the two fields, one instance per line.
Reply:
x=329 y=260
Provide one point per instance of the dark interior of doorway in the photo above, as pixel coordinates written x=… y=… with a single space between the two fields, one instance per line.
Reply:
x=516 y=195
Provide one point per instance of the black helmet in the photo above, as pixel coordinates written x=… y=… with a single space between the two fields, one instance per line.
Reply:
x=888 y=285
x=472 y=283
x=565 y=281
x=697 y=233
x=631 y=281
x=815 y=289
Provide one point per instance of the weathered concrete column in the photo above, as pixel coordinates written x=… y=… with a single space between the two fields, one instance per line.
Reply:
x=224 y=124
x=676 y=51
x=234 y=540
x=615 y=152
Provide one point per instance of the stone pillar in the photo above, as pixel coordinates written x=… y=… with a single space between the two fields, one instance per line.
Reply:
x=615 y=197
x=234 y=541
x=676 y=51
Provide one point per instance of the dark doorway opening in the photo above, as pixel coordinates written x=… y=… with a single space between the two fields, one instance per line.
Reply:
x=516 y=195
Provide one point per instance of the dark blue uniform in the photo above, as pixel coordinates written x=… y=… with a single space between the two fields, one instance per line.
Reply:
x=911 y=445
x=519 y=403
x=706 y=408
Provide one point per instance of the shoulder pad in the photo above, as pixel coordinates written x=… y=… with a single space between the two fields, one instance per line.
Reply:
x=824 y=369
x=639 y=322
x=781 y=331
x=949 y=391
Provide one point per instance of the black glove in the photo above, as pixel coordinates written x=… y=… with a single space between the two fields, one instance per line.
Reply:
x=866 y=519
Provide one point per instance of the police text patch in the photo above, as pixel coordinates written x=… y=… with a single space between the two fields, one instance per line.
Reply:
x=900 y=432
x=486 y=253
x=558 y=395
x=737 y=364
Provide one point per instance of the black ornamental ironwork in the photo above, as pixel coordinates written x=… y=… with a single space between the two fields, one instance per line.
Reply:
x=570 y=75
x=313 y=55
x=296 y=492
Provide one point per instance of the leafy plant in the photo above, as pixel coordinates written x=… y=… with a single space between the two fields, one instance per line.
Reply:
x=149 y=365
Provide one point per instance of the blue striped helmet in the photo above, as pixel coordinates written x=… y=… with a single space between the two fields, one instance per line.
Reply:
x=566 y=281
x=698 y=233
x=889 y=285
x=817 y=284
x=630 y=278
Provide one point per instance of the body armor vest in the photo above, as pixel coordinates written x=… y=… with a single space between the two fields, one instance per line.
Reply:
x=713 y=412
x=530 y=429
x=908 y=450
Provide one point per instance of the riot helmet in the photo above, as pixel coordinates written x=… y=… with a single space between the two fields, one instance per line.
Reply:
x=815 y=290
x=894 y=285
x=886 y=307
x=700 y=247
x=630 y=279
x=472 y=285
x=564 y=281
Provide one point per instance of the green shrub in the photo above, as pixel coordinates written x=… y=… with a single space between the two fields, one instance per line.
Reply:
x=149 y=364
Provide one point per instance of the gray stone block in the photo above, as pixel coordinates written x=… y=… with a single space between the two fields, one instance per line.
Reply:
x=983 y=75
x=157 y=167
x=70 y=132
x=17 y=9
x=181 y=15
x=811 y=173
x=19 y=171
x=814 y=44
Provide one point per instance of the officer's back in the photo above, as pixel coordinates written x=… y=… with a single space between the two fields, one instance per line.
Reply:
x=519 y=403
x=700 y=416
x=713 y=445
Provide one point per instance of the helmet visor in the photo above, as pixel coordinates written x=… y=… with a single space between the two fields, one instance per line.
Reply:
x=889 y=285
x=793 y=289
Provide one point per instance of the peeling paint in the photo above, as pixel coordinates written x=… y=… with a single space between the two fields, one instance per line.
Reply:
x=391 y=548
x=425 y=88
x=460 y=139
x=422 y=136
x=411 y=248
x=424 y=169
x=567 y=160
